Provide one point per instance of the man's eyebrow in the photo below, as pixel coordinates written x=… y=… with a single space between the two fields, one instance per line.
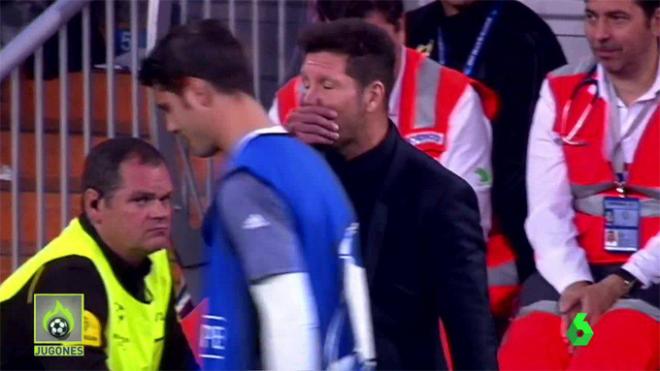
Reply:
x=615 y=13
x=136 y=194
x=163 y=106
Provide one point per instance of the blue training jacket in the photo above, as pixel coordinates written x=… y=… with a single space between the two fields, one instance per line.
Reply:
x=324 y=220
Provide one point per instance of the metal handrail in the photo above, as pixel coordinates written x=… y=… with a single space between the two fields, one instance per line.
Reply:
x=36 y=34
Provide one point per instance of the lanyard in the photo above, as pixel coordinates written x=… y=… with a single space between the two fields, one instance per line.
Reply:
x=618 y=157
x=473 y=58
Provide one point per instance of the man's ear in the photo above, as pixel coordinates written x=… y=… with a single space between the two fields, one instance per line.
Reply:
x=374 y=96
x=92 y=205
x=197 y=93
x=655 y=23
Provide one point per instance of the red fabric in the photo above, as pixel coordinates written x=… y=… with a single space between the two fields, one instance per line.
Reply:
x=409 y=91
x=451 y=86
x=446 y=347
x=534 y=342
x=498 y=253
x=450 y=89
x=287 y=98
x=623 y=339
x=490 y=101
x=587 y=164
x=650 y=141
x=503 y=300
x=191 y=325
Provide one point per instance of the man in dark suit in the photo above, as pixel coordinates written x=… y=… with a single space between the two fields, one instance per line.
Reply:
x=420 y=235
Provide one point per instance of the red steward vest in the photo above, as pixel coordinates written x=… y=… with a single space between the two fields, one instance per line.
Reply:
x=590 y=172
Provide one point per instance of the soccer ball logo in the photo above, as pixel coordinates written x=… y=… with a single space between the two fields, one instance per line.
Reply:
x=58 y=327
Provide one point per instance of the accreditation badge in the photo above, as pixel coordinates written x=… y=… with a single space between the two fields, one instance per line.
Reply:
x=622 y=220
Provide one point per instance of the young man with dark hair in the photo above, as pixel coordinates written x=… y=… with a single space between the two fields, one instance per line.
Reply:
x=594 y=220
x=114 y=254
x=423 y=247
x=281 y=234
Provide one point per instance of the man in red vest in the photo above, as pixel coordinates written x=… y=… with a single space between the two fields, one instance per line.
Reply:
x=437 y=109
x=594 y=192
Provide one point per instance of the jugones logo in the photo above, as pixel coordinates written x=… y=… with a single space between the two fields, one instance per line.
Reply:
x=58 y=322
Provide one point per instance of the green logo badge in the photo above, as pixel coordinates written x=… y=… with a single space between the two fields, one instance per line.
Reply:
x=484 y=176
x=58 y=325
x=59 y=321
x=580 y=332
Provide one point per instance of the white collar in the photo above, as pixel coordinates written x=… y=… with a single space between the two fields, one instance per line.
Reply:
x=275 y=129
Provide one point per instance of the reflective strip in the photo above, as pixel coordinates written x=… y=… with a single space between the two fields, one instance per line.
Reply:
x=503 y=275
x=584 y=66
x=288 y=98
x=638 y=306
x=552 y=307
x=647 y=191
x=593 y=205
x=544 y=306
x=582 y=191
x=428 y=78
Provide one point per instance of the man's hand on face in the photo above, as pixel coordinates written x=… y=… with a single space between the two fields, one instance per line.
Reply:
x=313 y=124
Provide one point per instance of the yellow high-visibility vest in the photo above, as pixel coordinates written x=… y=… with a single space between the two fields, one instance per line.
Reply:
x=135 y=330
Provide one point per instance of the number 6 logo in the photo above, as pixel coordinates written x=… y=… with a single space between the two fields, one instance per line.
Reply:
x=579 y=324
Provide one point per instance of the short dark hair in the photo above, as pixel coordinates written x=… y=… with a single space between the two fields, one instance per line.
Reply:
x=369 y=49
x=204 y=49
x=649 y=6
x=331 y=10
x=101 y=169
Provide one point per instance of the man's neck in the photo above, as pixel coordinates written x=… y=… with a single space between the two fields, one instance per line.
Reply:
x=370 y=137
x=629 y=86
x=243 y=116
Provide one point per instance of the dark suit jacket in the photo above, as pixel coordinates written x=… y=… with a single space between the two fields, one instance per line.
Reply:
x=425 y=260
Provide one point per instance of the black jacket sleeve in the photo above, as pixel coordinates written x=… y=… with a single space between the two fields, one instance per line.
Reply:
x=458 y=250
x=176 y=352
x=74 y=274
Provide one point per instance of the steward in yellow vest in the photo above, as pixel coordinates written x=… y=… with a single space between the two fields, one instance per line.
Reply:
x=113 y=254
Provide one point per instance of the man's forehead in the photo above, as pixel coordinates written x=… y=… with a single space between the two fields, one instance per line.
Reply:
x=144 y=175
x=325 y=60
x=160 y=96
x=610 y=5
